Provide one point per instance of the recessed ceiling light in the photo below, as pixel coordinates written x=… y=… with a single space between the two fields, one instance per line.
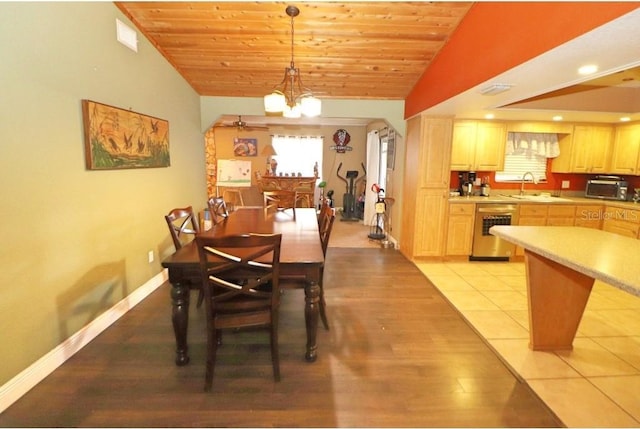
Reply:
x=489 y=116
x=557 y=118
x=625 y=119
x=588 y=69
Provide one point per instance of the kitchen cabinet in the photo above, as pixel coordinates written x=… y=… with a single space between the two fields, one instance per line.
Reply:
x=426 y=186
x=460 y=229
x=561 y=215
x=589 y=216
x=626 y=149
x=539 y=127
x=621 y=221
x=591 y=148
x=478 y=146
x=531 y=215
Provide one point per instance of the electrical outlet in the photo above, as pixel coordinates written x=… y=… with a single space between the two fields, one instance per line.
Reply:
x=565 y=184
x=151 y=257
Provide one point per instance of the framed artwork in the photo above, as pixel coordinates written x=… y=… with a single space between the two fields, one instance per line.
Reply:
x=245 y=147
x=116 y=138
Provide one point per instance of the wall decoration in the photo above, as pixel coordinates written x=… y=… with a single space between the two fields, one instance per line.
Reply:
x=245 y=147
x=341 y=138
x=234 y=173
x=117 y=139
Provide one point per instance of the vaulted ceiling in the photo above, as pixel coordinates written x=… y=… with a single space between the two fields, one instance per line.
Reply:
x=363 y=50
x=375 y=50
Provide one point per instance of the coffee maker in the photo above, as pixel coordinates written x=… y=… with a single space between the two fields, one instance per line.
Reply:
x=465 y=182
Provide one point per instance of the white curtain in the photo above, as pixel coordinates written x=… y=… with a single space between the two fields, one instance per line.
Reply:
x=373 y=172
x=540 y=144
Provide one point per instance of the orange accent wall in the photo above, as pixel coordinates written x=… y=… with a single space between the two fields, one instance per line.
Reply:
x=577 y=182
x=496 y=36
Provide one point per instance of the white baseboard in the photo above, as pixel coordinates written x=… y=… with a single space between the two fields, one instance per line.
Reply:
x=28 y=378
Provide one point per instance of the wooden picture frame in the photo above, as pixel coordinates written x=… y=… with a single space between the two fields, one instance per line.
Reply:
x=116 y=138
x=245 y=147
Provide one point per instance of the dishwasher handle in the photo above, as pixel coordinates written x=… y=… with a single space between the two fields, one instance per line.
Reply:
x=496 y=210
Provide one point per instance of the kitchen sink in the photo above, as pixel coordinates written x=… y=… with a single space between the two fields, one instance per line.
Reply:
x=543 y=198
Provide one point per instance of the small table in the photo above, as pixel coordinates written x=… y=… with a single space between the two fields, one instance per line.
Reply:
x=300 y=255
x=562 y=263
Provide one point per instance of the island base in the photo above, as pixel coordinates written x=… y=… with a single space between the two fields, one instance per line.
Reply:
x=557 y=296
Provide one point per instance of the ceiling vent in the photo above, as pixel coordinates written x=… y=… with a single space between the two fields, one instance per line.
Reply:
x=495 y=88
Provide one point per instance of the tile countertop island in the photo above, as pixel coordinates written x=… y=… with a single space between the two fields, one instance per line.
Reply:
x=562 y=263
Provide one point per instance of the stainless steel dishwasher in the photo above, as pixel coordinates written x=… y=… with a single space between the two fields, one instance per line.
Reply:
x=487 y=247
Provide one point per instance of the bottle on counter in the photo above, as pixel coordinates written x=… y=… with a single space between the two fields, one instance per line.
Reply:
x=485 y=189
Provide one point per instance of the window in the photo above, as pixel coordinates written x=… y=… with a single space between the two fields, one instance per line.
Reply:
x=528 y=152
x=298 y=154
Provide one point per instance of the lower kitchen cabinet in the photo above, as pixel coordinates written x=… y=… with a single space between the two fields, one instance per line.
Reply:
x=621 y=221
x=531 y=215
x=561 y=215
x=429 y=230
x=460 y=229
x=589 y=216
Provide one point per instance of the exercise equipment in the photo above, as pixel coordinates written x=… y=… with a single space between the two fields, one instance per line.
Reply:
x=350 y=210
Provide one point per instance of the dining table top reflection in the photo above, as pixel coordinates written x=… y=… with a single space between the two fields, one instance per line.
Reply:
x=300 y=255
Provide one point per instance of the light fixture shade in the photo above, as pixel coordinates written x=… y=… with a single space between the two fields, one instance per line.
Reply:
x=292 y=112
x=268 y=150
x=311 y=106
x=274 y=102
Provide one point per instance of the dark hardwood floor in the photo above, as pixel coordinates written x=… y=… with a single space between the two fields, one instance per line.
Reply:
x=397 y=355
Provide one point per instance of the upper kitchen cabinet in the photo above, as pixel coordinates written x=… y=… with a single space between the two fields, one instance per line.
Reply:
x=591 y=148
x=626 y=148
x=539 y=127
x=587 y=150
x=478 y=146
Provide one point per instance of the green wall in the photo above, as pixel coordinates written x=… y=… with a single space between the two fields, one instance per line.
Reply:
x=75 y=241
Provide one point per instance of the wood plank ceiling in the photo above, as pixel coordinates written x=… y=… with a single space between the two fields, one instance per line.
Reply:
x=360 y=50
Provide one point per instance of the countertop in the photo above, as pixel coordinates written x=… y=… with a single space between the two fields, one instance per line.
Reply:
x=614 y=260
x=498 y=197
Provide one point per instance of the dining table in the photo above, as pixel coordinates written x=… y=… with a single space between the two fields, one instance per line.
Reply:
x=301 y=256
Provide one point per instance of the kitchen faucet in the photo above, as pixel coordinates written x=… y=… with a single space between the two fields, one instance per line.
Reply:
x=522 y=183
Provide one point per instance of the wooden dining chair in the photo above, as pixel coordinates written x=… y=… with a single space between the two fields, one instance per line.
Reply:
x=218 y=209
x=183 y=227
x=305 y=193
x=326 y=219
x=280 y=199
x=240 y=274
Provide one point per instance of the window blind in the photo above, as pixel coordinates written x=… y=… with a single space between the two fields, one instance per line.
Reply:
x=528 y=152
x=515 y=165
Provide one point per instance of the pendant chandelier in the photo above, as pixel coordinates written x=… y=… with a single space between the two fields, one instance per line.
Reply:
x=291 y=98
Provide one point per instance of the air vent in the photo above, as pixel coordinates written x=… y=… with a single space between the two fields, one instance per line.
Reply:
x=126 y=35
x=495 y=88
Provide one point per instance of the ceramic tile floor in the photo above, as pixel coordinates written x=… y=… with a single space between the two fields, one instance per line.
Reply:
x=597 y=384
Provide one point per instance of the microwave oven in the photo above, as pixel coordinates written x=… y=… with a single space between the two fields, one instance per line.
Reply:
x=607 y=188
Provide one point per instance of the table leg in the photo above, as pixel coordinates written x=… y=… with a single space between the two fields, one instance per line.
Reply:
x=557 y=296
x=312 y=299
x=180 y=318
